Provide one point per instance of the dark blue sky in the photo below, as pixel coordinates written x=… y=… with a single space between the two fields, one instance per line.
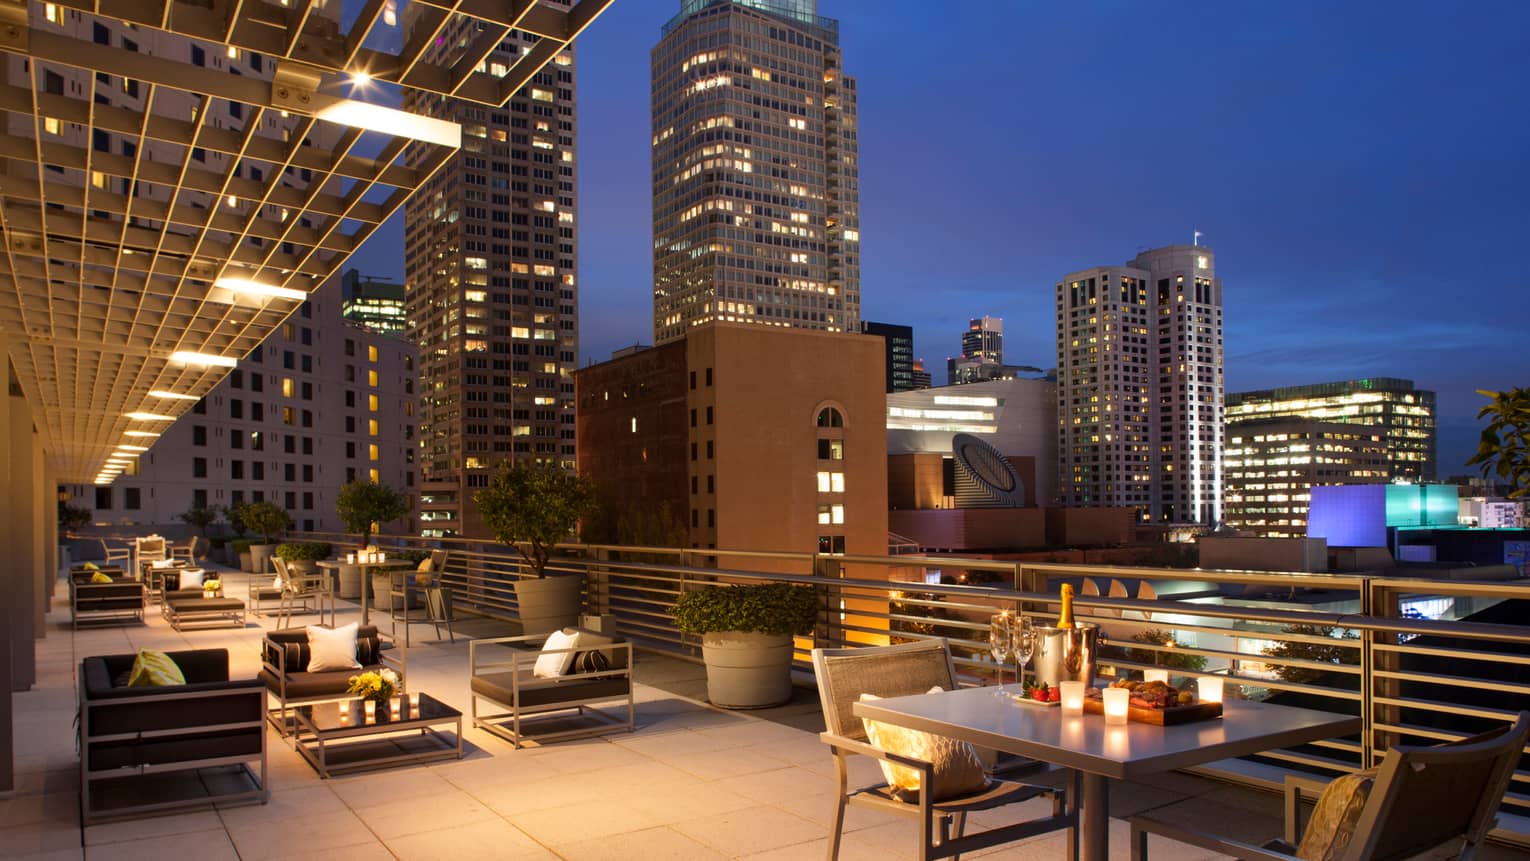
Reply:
x=1360 y=172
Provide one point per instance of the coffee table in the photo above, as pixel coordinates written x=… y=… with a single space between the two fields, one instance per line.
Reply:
x=203 y=612
x=339 y=738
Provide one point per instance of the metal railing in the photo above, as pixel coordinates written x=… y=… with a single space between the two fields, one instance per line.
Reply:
x=1345 y=643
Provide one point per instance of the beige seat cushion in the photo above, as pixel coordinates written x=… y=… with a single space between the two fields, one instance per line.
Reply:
x=958 y=771
x=1333 y=819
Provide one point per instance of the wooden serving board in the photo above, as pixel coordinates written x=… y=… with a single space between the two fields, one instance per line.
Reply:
x=1161 y=717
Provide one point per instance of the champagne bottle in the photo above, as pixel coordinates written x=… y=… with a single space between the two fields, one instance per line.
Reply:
x=1065 y=618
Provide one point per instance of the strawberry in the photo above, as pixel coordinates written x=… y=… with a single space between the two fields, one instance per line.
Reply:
x=1054 y=695
x=1039 y=693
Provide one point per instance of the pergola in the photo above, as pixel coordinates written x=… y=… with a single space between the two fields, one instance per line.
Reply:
x=134 y=275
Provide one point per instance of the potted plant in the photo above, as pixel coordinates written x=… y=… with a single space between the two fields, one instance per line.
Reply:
x=240 y=548
x=533 y=509
x=270 y=520
x=746 y=639
x=71 y=517
x=219 y=546
x=234 y=514
x=363 y=506
x=301 y=555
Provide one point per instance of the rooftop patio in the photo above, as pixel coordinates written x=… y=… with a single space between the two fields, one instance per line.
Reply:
x=691 y=782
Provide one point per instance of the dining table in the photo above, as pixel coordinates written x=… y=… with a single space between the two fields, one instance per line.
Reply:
x=1094 y=752
x=366 y=577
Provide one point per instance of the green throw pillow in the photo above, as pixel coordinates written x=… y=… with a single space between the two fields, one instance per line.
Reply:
x=100 y=577
x=155 y=669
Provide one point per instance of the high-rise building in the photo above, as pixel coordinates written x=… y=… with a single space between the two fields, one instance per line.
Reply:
x=982 y=352
x=490 y=275
x=373 y=303
x=919 y=376
x=1273 y=464
x=1139 y=386
x=1404 y=413
x=318 y=403
x=756 y=200
x=899 y=343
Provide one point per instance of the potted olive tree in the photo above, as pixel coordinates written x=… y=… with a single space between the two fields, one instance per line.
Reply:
x=239 y=548
x=746 y=639
x=533 y=508
x=363 y=506
x=301 y=555
x=270 y=520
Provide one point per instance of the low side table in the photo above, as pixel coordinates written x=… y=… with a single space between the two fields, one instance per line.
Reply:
x=204 y=612
x=339 y=738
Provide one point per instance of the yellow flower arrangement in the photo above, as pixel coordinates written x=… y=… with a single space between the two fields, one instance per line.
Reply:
x=376 y=686
x=211 y=585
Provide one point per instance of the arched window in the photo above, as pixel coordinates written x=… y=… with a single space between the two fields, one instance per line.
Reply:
x=829 y=417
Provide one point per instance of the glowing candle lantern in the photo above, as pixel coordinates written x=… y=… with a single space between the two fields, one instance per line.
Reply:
x=1116 y=700
x=1072 y=697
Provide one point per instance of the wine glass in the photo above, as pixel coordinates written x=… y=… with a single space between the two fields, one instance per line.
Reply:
x=1023 y=646
x=1000 y=643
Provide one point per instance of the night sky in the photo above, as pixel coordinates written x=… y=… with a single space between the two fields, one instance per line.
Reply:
x=1360 y=172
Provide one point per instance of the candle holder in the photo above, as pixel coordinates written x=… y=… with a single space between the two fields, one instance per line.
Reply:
x=350 y=559
x=370 y=709
x=395 y=707
x=1116 y=701
x=1209 y=688
x=1072 y=697
x=414 y=703
x=1155 y=676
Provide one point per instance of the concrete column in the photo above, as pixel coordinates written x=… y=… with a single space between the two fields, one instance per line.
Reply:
x=49 y=515
x=41 y=575
x=7 y=632
x=21 y=578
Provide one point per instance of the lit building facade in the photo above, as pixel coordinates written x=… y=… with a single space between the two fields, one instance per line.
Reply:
x=373 y=304
x=756 y=201
x=490 y=262
x=318 y=403
x=919 y=376
x=982 y=352
x=1404 y=413
x=1273 y=464
x=899 y=344
x=1139 y=386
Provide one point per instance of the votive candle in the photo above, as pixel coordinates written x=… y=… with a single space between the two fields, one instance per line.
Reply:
x=1156 y=676
x=395 y=706
x=1116 y=700
x=1072 y=696
x=370 y=708
x=414 y=702
x=1210 y=689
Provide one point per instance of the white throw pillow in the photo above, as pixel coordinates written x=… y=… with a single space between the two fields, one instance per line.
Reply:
x=191 y=578
x=958 y=771
x=551 y=666
x=278 y=584
x=332 y=649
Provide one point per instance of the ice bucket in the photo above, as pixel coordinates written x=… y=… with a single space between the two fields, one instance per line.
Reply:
x=1067 y=654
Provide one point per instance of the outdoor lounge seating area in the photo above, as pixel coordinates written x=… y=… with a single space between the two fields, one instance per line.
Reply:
x=670 y=777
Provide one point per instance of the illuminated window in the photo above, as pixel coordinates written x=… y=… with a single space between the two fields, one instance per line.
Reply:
x=372 y=355
x=50 y=125
x=836 y=482
x=50 y=11
x=823 y=482
x=286 y=387
x=372 y=403
x=374 y=475
x=372 y=378
x=372 y=452
x=634 y=424
x=371 y=427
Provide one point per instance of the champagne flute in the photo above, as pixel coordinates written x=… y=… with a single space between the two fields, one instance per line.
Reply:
x=1024 y=646
x=1000 y=642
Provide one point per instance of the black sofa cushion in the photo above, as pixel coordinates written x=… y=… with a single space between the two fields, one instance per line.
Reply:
x=541 y=692
x=305 y=684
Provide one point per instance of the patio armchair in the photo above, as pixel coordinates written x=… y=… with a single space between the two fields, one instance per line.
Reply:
x=117 y=555
x=284 y=670
x=1419 y=799
x=210 y=722
x=189 y=549
x=301 y=588
x=121 y=599
x=843 y=675
x=502 y=676
x=150 y=549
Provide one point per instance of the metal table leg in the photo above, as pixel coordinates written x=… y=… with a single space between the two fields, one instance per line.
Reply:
x=1094 y=813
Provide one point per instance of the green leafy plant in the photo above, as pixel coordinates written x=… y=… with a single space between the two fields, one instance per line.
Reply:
x=303 y=551
x=218 y=543
x=266 y=518
x=1323 y=653
x=767 y=608
x=415 y=556
x=362 y=505
x=198 y=518
x=234 y=514
x=1158 y=637
x=534 y=508
x=71 y=516
x=242 y=545
x=1504 y=447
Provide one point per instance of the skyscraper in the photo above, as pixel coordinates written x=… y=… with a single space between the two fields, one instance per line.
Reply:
x=756 y=201
x=1403 y=412
x=982 y=352
x=1273 y=464
x=373 y=303
x=490 y=270
x=1139 y=386
x=899 y=343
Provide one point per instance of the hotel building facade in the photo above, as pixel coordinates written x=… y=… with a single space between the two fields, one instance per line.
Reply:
x=756 y=201
x=1273 y=464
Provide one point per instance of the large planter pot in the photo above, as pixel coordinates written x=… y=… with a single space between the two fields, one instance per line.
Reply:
x=260 y=558
x=303 y=566
x=747 y=670
x=350 y=581
x=244 y=562
x=550 y=603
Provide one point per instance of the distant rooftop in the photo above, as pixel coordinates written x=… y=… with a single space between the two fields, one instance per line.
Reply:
x=803 y=12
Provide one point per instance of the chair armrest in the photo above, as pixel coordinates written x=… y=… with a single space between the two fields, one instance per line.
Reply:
x=490 y=641
x=850 y=745
x=1296 y=787
x=1144 y=825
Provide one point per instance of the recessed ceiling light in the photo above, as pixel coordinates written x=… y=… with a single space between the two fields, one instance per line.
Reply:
x=159 y=393
x=255 y=288
x=205 y=359
x=150 y=417
x=361 y=78
x=126 y=447
x=376 y=118
x=139 y=433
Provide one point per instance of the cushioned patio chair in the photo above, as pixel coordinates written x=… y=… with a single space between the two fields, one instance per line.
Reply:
x=121 y=599
x=502 y=676
x=1419 y=799
x=117 y=555
x=891 y=671
x=284 y=670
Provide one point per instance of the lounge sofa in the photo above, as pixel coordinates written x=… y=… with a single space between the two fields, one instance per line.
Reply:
x=284 y=670
x=502 y=676
x=121 y=599
x=127 y=733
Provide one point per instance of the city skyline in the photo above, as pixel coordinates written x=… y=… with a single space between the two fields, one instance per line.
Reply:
x=1317 y=161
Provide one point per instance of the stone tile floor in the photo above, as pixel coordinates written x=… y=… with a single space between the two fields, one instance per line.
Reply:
x=692 y=782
